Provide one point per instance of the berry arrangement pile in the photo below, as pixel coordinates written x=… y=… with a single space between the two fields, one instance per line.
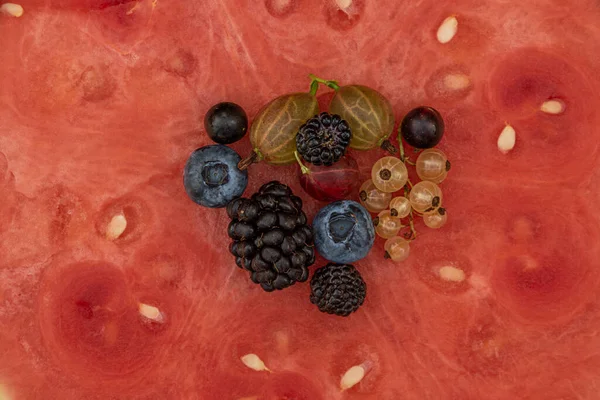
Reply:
x=271 y=236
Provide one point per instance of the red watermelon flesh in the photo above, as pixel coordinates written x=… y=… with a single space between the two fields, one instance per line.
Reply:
x=101 y=103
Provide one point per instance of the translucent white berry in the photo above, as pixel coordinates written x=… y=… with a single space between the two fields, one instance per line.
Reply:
x=387 y=225
x=389 y=174
x=400 y=207
x=432 y=165
x=397 y=248
x=425 y=197
x=437 y=219
x=372 y=198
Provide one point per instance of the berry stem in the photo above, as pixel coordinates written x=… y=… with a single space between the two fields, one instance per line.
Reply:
x=305 y=170
x=412 y=226
x=388 y=146
x=314 y=84
x=413 y=232
x=403 y=156
x=252 y=158
x=401 y=146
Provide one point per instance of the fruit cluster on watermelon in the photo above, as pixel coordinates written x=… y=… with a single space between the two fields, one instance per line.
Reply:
x=114 y=285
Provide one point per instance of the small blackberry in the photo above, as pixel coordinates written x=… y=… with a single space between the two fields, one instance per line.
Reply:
x=337 y=289
x=271 y=238
x=323 y=139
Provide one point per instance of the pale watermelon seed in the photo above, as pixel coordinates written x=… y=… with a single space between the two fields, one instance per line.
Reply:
x=456 y=81
x=507 y=139
x=280 y=5
x=254 y=362
x=447 y=29
x=354 y=375
x=3 y=393
x=116 y=227
x=343 y=5
x=151 y=312
x=282 y=339
x=553 y=107
x=452 y=274
x=14 y=10
x=280 y=8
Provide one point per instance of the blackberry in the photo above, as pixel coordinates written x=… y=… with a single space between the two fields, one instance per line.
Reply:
x=323 y=139
x=271 y=238
x=337 y=289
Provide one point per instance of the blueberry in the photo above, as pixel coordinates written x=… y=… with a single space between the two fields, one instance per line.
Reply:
x=344 y=232
x=226 y=123
x=211 y=177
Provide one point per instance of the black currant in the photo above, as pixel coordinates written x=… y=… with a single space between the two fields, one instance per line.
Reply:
x=422 y=127
x=226 y=123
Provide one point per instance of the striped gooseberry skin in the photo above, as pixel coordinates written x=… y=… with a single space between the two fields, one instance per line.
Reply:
x=369 y=114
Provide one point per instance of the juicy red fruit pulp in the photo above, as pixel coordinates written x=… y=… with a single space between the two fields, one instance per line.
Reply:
x=102 y=102
x=332 y=183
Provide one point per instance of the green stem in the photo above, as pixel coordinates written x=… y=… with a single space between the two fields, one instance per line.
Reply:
x=403 y=156
x=314 y=84
x=401 y=146
x=412 y=226
x=305 y=170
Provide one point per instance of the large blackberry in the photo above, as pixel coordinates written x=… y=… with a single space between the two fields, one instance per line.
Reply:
x=323 y=139
x=337 y=289
x=271 y=238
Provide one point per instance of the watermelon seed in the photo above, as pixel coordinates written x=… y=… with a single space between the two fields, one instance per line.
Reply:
x=553 y=107
x=14 y=10
x=151 y=312
x=3 y=393
x=457 y=81
x=507 y=139
x=344 y=5
x=283 y=342
x=280 y=8
x=116 y=227
x=354 y=375
x=254 y=362
x=447 y=29
x=452 y=274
